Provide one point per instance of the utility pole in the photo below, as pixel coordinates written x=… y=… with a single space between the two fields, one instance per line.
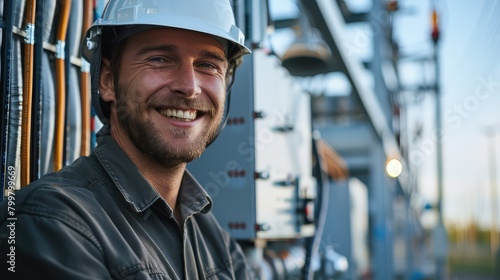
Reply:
x=440 y=234
x=439 y=149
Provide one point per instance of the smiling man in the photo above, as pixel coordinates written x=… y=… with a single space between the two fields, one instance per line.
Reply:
x=169 y=101
x=160 y=75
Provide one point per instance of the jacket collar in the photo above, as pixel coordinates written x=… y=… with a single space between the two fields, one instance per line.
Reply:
x=134 y=187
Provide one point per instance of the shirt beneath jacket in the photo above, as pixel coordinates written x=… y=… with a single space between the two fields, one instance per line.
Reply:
x=99 y=218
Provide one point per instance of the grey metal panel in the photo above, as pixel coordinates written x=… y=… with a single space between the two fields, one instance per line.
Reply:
x=283 y=148
x=337 y=231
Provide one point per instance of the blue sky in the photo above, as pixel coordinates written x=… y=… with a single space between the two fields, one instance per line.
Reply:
x=475 y=84
x=470 y=79
x=469 y=52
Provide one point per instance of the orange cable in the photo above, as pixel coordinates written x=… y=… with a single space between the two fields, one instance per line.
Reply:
x=27 y=93
x=85 y=83
x=60 y=85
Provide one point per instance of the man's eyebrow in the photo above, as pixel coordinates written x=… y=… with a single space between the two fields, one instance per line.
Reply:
x=153 y=48
x=215 y=55
x=168 y=48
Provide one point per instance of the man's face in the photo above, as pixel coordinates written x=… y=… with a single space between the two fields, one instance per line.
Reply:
x=170 y=92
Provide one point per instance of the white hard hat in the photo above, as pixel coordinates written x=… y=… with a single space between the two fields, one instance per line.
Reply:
x=128 y=17
x=213 y=17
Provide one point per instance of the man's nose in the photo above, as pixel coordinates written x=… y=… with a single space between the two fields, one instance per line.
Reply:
x=186 y=81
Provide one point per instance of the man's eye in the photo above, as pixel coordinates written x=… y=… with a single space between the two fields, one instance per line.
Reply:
x=208 y=65
x=157 y=59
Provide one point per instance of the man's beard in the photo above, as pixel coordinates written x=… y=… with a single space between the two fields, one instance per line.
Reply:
x=148 y=140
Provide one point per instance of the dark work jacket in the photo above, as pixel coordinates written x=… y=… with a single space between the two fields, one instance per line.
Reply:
x=100 y=219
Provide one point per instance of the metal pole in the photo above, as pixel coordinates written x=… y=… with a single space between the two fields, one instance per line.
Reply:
x=440 y=237
x=439 y=152
x=440 y=234
x=490 y=133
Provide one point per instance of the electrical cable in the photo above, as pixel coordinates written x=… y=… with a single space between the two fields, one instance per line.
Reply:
x=60 y=84
x=7 y=69
x=73 y=122
x=37 y=89
x=322 y=199
x=15 y=87
x=85 y=84
x=29 y=48
x=47 y=110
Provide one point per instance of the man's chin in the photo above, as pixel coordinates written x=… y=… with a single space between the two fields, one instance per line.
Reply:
x=179 y=155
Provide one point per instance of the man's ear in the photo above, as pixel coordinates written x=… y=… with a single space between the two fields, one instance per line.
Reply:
x=106 y=83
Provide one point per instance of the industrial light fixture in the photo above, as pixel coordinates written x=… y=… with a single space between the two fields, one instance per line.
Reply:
x=309 y=54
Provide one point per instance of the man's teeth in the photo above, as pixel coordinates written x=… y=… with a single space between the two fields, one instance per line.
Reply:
x=187 y=115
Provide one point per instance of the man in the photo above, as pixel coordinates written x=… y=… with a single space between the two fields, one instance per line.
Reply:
x=160 y=73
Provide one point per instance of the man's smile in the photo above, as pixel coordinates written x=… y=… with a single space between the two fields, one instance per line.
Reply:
x=184 y=115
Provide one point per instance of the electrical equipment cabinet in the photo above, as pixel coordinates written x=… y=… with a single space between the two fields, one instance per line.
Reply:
x=259 y=170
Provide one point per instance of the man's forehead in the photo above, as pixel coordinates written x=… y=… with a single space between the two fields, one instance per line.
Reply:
x=127 y=32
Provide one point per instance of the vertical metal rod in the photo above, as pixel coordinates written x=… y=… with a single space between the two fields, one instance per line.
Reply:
x=440 y=229
x=440 y=234
x=490 y=133
x=439 y=146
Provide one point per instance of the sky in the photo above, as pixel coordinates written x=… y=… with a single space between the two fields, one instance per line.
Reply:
x=469 y=61
x=470 y=80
